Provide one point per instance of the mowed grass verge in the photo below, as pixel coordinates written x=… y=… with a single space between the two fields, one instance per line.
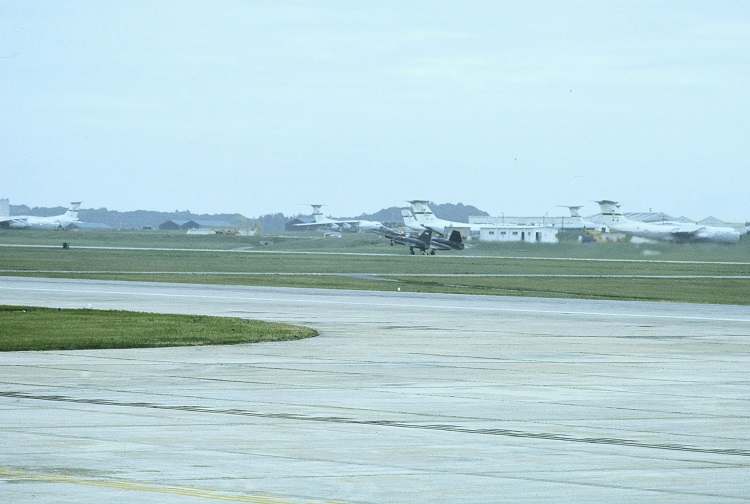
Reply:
x=713 y=282
x=373 y=243
x=30 y=328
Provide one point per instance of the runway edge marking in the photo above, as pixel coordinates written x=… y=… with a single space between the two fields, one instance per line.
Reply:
x=133 y=486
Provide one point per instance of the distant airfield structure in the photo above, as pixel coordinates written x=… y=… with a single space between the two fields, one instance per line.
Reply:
x=206 y=227
x=420 y=215
x=574 y=221
x=525 y=234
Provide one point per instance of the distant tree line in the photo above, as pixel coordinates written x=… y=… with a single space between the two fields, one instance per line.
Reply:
x=136 y=219
x=449 y=211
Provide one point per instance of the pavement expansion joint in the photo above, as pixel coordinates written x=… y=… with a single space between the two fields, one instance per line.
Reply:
x=551 y=436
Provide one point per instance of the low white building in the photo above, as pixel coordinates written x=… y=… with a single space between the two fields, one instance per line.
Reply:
x=559 y=221
x=526 y=234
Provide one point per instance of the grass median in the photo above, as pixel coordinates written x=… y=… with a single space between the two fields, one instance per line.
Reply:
x=569 y=269
x=27 y=328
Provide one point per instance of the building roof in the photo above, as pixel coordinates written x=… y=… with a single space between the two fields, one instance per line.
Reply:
x=713 y=221
x=205 y=223
x=655 y=217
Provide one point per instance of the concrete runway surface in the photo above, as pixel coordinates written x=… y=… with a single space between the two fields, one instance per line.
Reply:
x=402 y=398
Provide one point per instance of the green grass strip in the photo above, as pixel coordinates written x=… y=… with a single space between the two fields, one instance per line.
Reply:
x=26 y=328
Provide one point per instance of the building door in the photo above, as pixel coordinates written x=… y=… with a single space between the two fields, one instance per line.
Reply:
x=538 y=236
x=523 y=235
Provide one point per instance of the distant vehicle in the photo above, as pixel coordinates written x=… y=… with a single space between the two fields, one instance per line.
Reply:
x=62 y=221
x=321 y=221
x=680 y=232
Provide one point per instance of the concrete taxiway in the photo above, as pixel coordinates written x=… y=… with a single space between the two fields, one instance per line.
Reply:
x=402 y=398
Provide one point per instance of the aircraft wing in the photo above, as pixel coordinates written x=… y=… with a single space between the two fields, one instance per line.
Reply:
x=7 y=221
x=433 y=230
x=388 y=232
x=329 y=222
x=683 y=234
x=308 y=224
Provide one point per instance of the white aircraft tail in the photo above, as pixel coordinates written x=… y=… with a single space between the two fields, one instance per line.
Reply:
x=575 y=210
x=610 y=211
x=72 y=211
x=4 y=207
x=409 y=219
x=421 y=210
x=317 y=214
x=609 y=207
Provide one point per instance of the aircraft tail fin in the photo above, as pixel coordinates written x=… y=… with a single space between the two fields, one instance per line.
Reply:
x=409 y=219
x=421 y=210
x=4 y=207
x=426 y=236
x=317 y=214
x=72 y=210
x=609 y=207
x=575 y=210
x=610 y=211
x=456 y=237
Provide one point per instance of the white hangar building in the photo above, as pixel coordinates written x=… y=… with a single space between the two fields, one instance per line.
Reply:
x=572 y=221
x=521 y=233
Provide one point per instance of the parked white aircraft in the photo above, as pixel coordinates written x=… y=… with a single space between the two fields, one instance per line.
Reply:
x=320 y=220
x=420 y=216
x=62 y=221
x=410 y=221
x=576 y=221
x=669 y=231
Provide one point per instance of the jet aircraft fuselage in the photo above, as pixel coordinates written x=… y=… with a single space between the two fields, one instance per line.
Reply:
x=667 y=231
x=62 y=221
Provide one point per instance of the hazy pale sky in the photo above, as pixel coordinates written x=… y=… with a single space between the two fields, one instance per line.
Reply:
x=261 y=106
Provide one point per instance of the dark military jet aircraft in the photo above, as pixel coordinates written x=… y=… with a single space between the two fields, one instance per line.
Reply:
x=453 y=242
x=422 y=242
x=425 y=241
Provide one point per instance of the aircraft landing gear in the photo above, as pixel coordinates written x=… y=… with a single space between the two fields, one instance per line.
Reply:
x=432 y=252
x=411 y=249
